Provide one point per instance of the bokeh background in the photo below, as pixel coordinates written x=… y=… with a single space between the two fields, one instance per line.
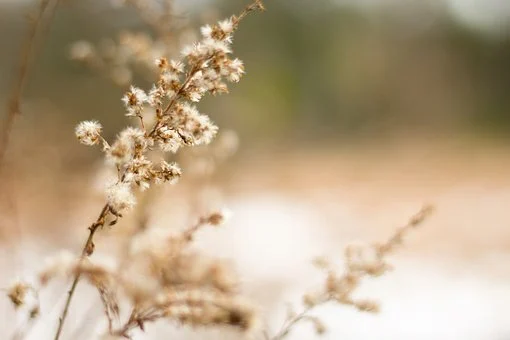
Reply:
x=351 y=116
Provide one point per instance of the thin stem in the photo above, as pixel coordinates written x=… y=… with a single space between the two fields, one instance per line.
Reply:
x=142 y=124
x=128 y=325
x=173 y=101
x=14 y=104
x=287 y=326
x=138 y=318
x=181 y=89
x=87 y=250
x=256 y=5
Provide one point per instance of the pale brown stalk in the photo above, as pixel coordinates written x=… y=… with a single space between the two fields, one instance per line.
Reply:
x=287 y=326
x=353 y=274
x=135 y=320
x=44 y=16
x=87 y=250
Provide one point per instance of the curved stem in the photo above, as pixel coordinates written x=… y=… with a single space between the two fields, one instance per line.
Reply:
x=287 y=326
x=14 y=104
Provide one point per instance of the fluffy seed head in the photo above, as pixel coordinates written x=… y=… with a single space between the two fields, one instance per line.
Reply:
x=134 y=100
x=88 y=132
x=170 y=172
x=120 y=197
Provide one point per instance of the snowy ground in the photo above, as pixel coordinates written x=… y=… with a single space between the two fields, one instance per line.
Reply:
x=451 y=279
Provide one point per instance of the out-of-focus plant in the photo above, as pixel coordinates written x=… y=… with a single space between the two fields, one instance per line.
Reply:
x=157 y=274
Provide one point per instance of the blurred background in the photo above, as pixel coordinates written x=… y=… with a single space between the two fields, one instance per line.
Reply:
x=351 y=116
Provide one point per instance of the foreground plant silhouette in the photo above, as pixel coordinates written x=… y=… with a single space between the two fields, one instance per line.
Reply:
x=338 y=287
x=159 y=274
x=204 y=69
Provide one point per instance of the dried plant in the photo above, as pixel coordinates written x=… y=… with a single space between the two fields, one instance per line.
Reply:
x=158 y=274
x=205 y=67
x=338 y=288
x=162 y=277
x=37 y=27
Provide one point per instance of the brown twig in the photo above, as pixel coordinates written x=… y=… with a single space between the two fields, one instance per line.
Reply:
x=87 y=250
x=287 y=326
x=46 y=11
x=133 y=321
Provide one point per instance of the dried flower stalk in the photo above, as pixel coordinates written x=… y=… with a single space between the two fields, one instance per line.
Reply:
x=43 y=17
x=204 y=69
x=161 y=275
x=338 y=288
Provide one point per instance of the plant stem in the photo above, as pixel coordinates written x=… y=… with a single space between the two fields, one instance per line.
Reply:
x=28 y=50
x=287 y=326
x=87 y=250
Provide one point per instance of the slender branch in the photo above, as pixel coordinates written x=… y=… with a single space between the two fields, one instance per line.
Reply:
x=287 y=326
x=14 y=105
x=181 y=90
x=87 y=250
x=130 y=323
x=174 y=99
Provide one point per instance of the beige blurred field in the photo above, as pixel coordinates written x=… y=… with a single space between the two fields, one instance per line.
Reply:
x=450 y=279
